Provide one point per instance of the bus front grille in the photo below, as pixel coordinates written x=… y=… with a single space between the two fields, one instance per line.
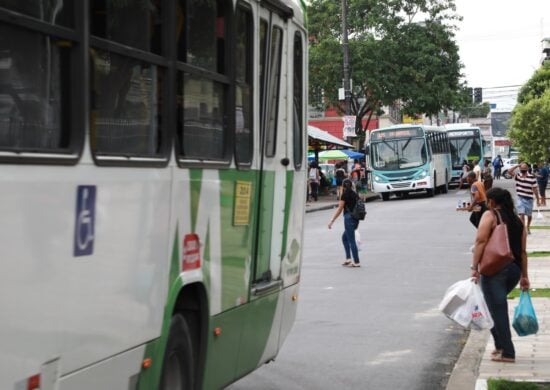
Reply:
x=406 y=184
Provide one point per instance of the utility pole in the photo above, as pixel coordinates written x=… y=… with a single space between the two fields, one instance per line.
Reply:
x=345 y=47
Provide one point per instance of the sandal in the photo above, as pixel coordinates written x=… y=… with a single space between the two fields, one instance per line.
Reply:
x=355 y=265
x=346 y=263
x=496 y=353
x=503 y=359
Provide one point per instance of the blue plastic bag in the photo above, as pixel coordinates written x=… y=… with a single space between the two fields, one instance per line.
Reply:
x=525 y=320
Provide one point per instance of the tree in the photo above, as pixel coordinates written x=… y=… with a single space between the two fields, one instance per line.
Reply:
x=529 y=125
x=393 y=56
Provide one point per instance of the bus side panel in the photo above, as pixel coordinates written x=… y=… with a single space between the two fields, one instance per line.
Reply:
x=118 y=372
x=84 y=303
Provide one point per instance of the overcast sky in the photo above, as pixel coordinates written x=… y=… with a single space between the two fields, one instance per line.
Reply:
x=500 y=43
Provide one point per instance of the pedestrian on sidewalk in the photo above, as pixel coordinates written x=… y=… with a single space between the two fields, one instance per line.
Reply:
x=477 y=170
x=464 y=174
x=478 y=204
x=497 y=287
x=526 y=190
x=542 y=181
x=487 y=176
x=497 y=166
x=340 y=174
x=346 y=204
x=314 y=179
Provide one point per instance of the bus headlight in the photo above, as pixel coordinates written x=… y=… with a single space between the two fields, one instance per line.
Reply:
x=423 y=174
x=377 y=178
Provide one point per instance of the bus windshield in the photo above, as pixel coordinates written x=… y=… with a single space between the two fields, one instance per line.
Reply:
x=396 y=154
x=464 y=148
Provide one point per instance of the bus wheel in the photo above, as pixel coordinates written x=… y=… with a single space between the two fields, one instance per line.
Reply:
x=177 y=368
x=385 y=196
x=445 y=188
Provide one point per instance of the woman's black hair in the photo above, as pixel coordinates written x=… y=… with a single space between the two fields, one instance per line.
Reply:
x=503 y=199
x=346 y=184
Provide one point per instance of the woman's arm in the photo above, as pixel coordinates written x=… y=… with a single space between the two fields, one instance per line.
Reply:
x=484 y=231
x=524 y=281
x=341 y=205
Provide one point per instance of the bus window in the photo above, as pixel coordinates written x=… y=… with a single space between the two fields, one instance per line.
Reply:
x=202 y=127
x=127 y=107
x=243 y=88
x=117 y=20
x=298 y=102
x=35 y=101
x=273 y=88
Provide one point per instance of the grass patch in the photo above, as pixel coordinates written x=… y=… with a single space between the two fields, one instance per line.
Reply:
x=540 y=227
x=535 y=293
x=501 y=384
x=538 y=254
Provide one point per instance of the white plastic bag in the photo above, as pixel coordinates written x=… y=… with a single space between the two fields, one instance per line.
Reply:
x=358 y=240
x=464 y=303
x=539 y=216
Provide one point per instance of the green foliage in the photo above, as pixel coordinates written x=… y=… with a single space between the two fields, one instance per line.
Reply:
x=535 y=293
x=476 y=110
x=394 y=55
x=502 y=384
x=530 y=129
x=536 y=86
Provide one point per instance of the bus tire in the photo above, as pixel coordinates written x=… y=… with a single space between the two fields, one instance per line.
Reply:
x=385 y=196
x=178 y=364
x=445 y=188
x=431 y=191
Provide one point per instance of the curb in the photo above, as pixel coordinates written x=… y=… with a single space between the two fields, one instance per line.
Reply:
x=329 y=206
x=466 y=369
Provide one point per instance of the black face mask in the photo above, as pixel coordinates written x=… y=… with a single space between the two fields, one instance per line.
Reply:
x=522 y=171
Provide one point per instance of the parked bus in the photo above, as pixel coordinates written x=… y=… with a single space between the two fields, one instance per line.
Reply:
x=152 y=166
x=409 y=158
x=466 y=145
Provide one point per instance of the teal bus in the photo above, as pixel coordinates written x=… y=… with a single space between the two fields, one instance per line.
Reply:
x=409 y=158
x=153 y=175
x=466 y=145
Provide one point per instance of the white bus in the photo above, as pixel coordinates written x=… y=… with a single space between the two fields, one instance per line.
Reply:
x=466 y=145
x=152 y=166
x=409 y=158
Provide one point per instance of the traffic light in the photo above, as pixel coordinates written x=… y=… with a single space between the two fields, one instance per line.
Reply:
x=478 y=95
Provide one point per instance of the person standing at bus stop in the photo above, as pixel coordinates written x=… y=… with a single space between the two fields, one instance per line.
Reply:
x=526 y=190
x=497 y=166
x=542 y=181
x=314 y=179
x=478 y=204
x=346 y=204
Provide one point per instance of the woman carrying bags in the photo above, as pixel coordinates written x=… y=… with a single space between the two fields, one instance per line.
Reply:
x=497 y=286
x=346 y=203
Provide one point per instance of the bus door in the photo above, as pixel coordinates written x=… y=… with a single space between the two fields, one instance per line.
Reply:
x=261 y=327
x=274 y=159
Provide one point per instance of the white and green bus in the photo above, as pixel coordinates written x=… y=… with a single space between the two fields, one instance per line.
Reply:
x=409 y=158
x=466 y=145
x=152 y=166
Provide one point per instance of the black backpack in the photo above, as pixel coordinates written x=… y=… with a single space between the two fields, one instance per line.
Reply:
x=359 y=211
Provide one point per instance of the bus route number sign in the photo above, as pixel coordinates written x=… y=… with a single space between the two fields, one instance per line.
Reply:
x=243 y=191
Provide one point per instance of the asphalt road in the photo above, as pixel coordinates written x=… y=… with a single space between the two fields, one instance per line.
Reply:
x=376 y=327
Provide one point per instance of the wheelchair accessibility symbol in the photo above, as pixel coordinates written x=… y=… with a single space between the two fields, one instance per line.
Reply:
x=84 y=221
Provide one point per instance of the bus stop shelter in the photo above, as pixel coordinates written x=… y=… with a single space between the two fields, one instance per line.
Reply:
x=318 y=138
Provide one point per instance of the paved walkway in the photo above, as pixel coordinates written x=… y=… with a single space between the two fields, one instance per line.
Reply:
x=532 y=352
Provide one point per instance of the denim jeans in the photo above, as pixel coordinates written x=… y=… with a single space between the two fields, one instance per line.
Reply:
x=495 y=290
x=348 y=238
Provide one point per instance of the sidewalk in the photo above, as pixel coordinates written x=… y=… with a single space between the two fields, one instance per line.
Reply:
x=474 y=366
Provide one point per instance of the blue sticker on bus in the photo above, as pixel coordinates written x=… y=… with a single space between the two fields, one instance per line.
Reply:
x=84 y=221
